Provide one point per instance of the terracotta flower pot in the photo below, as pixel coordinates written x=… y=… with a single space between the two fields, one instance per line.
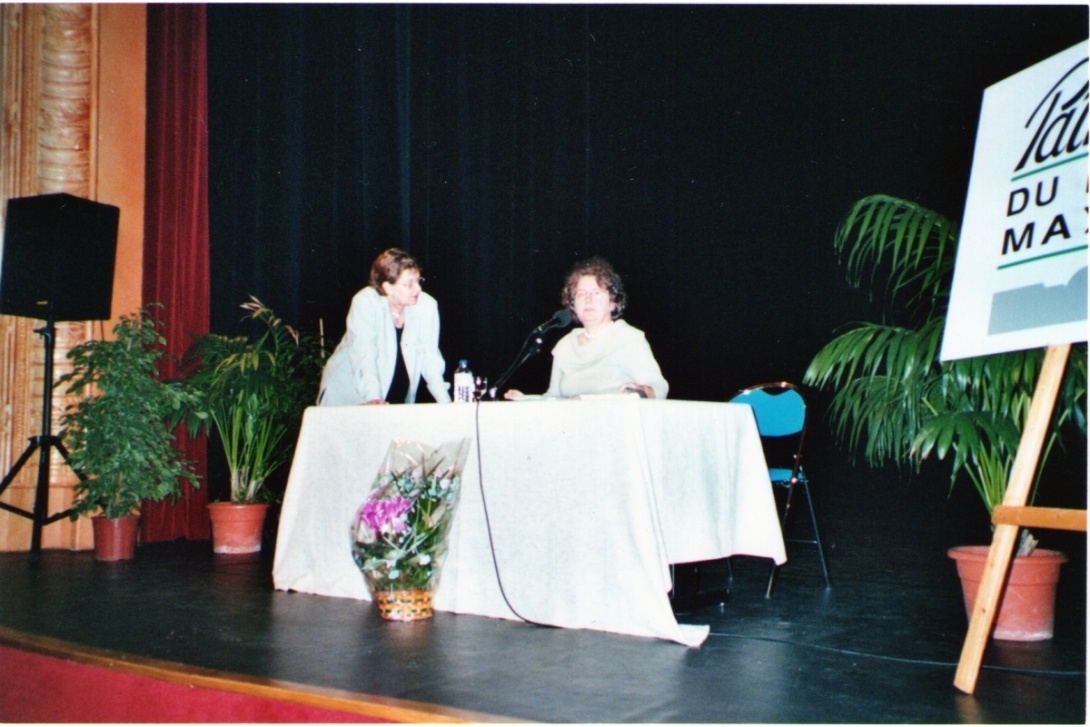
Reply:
x=115 y=539
x=1027 y=606
x=237 y=527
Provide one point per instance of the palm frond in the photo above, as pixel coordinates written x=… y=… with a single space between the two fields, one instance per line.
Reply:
x=252 y=392
x=894 y=400
x=899 y=248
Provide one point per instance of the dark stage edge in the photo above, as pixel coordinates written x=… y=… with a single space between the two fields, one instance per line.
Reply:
x=880 y=646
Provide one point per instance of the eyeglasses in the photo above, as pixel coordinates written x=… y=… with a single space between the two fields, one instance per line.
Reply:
x=592 y=293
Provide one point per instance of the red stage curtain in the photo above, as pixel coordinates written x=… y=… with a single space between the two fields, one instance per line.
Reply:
x=176 y=258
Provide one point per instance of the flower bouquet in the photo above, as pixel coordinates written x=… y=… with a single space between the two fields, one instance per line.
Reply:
x=399 y=533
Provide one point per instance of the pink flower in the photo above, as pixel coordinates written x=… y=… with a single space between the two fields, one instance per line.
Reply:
x=387 y=516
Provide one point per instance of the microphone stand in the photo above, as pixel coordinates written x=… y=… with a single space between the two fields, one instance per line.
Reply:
x=530 y=347
x=43 y=444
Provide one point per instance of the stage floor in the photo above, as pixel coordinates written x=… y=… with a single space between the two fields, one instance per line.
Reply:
x=880 y=646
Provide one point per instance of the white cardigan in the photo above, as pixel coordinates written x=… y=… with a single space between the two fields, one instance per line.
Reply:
x=362 y=366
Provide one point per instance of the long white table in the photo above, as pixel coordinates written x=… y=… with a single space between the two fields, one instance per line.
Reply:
x=571 y=512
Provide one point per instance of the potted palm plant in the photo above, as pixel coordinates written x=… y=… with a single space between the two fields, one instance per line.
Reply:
x=897 y=402
x=118 y=435
x=251 y=392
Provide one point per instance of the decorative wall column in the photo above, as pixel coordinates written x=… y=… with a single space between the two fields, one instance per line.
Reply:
x=19 y=393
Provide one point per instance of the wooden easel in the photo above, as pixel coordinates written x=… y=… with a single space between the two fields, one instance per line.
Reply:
x=1014 y=513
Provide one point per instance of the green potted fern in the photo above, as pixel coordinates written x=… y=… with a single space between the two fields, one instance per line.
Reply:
x=118 y=435
x=250 y=391
x=896 y=402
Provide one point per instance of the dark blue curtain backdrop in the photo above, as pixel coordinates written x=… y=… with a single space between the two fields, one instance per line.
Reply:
x=708 y=151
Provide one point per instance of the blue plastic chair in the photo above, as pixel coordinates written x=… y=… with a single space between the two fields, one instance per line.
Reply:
x=780 y=412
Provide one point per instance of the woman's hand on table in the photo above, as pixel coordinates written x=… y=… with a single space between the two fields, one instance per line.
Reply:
x=375 y=402
x=513 y=394
x=645 y=392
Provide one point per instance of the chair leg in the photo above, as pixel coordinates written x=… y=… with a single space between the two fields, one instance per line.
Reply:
x=771 y=580
x=817 y=535
x=783 y=530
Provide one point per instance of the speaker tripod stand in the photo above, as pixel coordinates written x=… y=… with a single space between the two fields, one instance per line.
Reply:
x=43 y=444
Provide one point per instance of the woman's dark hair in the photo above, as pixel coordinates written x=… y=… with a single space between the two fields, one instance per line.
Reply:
x=607 y=278
x=389 y=265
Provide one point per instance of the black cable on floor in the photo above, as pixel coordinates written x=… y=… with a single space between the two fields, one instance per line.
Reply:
x=488 y=523
x=902 y=660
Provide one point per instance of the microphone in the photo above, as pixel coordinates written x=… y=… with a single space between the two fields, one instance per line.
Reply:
x=532 y=344
x=560 y=319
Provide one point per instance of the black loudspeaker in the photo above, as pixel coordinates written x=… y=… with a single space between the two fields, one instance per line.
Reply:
x=58 y=258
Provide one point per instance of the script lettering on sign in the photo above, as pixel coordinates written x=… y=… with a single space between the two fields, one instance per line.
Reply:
x=1020 y=280
x=1058 y=135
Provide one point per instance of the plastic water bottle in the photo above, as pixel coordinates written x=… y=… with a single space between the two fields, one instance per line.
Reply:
x=463 y=382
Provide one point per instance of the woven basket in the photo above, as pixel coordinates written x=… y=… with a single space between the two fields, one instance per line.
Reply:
x=411 y=605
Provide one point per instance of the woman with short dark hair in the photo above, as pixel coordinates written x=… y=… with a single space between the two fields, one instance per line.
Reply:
x=391 y=340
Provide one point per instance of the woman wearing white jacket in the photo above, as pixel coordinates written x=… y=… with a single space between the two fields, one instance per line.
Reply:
x=391 y=341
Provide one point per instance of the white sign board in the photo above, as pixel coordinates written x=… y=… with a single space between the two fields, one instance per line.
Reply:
x=1020 y=275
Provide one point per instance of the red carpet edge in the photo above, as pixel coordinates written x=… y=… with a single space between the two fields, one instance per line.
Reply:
x=244 y=697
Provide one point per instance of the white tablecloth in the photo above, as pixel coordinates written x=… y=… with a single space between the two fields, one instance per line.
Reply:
x=570 y=512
